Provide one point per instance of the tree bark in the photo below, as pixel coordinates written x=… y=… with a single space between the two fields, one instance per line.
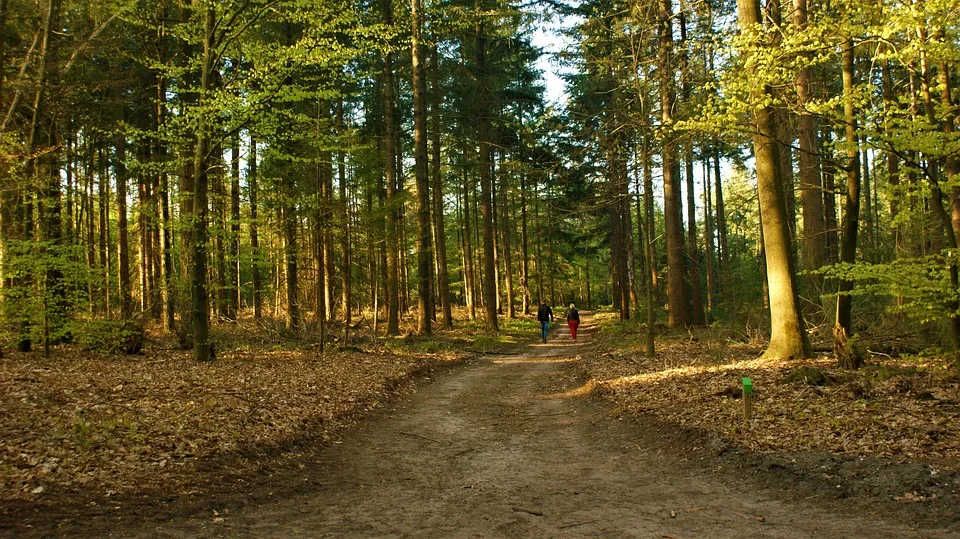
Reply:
x=255 y=253
x=811 y=190
x=233 y=265
x=788 y=338
x=439 y=227
x=851 y=212
x=346 y=226
x=486 y=191
x=424 y=243
x=123 y=246
x=678 y=297
x=392 y=202
x=200 y=301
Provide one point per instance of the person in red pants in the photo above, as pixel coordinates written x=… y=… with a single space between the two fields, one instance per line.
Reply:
x=573 y=321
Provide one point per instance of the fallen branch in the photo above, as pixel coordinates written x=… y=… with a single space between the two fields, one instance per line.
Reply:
x=528 y=511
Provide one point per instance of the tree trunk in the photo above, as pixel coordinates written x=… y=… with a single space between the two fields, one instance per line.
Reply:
x=696 y=295
x=233 y=263
x=708 y=239
x=678 y=297
x=811 y=191
x=524 y=240
x=123 y=246
x=440 y=234
x=469 y=275
x=424 y=243
x=486 y=191
x=392 y=202
x=648 y=240
x=346 y=227
x=506 y=233
x=256 y=255
x=200 y=302
x=696 y=292
x=788 y=336
x=851 y=214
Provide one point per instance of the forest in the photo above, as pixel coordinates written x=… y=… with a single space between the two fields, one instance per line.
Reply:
x=335 y=175
x=187 y=164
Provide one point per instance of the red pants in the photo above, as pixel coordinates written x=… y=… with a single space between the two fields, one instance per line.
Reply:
x=574 y=324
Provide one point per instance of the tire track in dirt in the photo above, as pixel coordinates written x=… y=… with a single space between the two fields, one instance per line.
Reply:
x=502 y=448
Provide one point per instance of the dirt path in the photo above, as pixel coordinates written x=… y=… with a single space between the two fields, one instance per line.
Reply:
x=498 y=449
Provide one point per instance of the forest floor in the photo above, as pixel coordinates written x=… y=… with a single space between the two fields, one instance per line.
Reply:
x=513 y=443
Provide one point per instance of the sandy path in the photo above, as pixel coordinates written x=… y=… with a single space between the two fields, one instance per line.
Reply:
x=496 y=449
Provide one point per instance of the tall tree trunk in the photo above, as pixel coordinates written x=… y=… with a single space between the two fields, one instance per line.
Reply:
x=696 y=295
x=893 y=161
x=649 y=243
x=708 y=239
x=723 y=260
x=123 y=245
x=290 y=248
x=439 y=228
x=696 y=292
x=486 y=191
x=851 y=212
x=678 y=297
x=788 y=336
x=829 y=167
x=469 y=275
x=329 y=260
x=256 y=255
x=506 y=233
x=103 y=239
x=219 y=227
x=392 y=202
x=318 y=218
x=424 y=243
x=811 y=191
x=346 y=226
x=524 y=239
x=233 y=264
x=169 y=303
x=200 y=297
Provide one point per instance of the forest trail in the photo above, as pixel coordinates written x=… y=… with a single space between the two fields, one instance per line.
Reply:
x=502 y=447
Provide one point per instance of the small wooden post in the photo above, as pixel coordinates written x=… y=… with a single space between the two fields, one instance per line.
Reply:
x=747 y=398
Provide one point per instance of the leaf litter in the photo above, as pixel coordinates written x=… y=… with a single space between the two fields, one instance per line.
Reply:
x=86 y=421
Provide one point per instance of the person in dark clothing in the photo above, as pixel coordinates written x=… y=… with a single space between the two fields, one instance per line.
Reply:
x=573 y=321
x=544 y=316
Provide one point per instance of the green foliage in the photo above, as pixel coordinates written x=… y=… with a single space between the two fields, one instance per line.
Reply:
x=487 y=343
x=47 y=283
x=921 y=285
x=113 y=336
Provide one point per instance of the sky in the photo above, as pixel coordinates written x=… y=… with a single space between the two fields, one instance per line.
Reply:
x=551 y=42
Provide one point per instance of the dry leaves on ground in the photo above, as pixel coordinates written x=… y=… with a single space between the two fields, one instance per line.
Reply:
x=83 y=420
x=890 y=408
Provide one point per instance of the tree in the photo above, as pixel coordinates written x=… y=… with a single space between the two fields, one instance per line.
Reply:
x=788 y=336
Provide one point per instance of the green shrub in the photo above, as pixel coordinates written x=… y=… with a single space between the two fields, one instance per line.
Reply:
x=114 y=336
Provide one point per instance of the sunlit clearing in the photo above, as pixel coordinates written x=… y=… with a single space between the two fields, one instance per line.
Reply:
x=581 y=391
x=694 y=370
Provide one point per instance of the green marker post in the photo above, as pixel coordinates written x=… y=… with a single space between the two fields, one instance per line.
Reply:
x=747 y=398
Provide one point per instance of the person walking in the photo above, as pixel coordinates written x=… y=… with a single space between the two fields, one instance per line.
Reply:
x=573 y=321
x=544 y=316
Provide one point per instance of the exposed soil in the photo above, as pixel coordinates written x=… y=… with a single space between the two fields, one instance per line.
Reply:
x=504 y=446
